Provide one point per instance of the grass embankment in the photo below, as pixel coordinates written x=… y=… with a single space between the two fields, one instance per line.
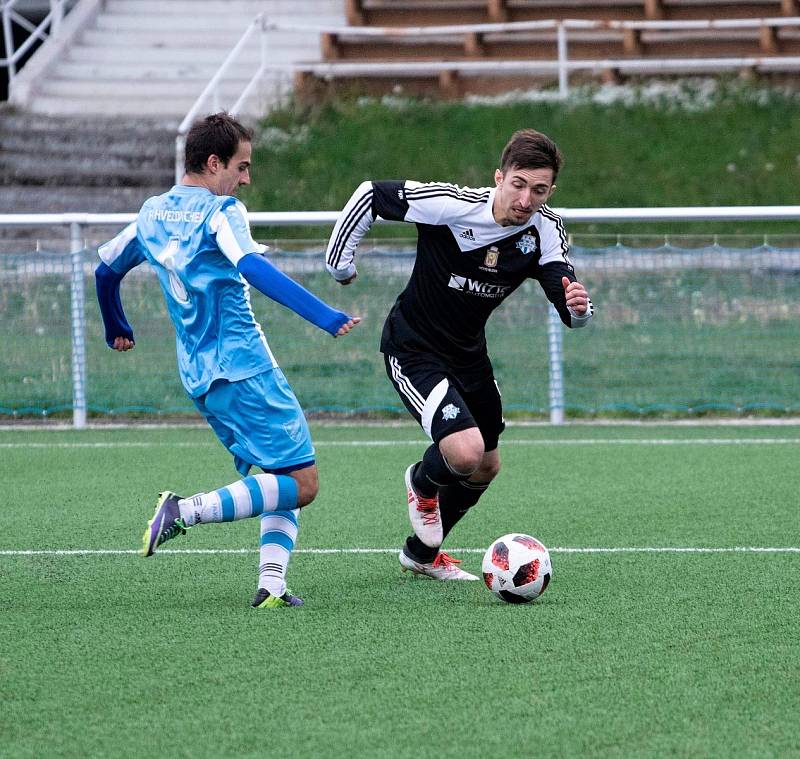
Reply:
x=692 y=145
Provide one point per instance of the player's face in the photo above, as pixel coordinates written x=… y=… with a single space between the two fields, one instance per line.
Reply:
x=520 y=194
x=237 y=173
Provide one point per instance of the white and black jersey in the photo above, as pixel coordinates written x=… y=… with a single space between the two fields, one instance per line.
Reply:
x=466 y=266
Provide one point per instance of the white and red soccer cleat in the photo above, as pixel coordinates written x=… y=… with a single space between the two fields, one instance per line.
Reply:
x=443 y=567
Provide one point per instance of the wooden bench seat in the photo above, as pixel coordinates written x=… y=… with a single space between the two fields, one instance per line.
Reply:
x=427 y=12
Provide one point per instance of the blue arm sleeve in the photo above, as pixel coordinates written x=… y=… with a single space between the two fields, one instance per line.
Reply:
x=107 y=285
x=276 y=285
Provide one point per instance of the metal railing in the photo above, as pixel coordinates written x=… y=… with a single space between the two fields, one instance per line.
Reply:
x=47 y=27
x=77 y=223
x=210 y=96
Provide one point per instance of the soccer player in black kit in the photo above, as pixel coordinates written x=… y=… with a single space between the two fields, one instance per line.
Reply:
x=474 y=248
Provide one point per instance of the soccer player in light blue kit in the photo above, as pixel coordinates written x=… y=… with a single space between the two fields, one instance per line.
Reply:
x=197 y=239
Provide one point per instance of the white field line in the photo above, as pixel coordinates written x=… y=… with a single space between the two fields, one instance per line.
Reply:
x=211 y=442
x=342 y=551
x=790 y=421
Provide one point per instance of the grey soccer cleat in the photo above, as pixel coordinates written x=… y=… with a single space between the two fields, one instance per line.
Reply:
x=265 y=600
x=165 y=524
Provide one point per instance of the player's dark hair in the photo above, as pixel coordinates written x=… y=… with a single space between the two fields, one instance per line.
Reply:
x=219 y=135
x=529 y=149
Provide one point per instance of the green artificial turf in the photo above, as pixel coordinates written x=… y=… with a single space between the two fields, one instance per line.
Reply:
x=637 y=653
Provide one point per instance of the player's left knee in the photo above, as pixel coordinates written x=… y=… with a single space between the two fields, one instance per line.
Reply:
x=465 y=461
x=307 y=485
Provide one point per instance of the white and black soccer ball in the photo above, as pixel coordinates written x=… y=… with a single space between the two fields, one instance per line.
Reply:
x=517 y=568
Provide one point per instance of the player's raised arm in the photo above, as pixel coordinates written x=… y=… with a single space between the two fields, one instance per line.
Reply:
x=118 y=257
x=236 y=243
x=396 y=200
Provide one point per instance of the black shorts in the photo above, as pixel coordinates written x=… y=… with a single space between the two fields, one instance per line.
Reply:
x=439 y=403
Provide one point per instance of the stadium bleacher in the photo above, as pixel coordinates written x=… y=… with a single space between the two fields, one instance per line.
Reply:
x=497 y=45
x=423 y=12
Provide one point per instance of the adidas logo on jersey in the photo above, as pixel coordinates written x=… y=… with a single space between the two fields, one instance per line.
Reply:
x=467 y=235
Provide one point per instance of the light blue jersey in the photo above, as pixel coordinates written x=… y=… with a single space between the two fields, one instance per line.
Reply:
x=194 y=240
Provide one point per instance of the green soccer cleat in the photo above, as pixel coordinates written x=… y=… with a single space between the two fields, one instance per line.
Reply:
x=165 y=524
x=265 y=600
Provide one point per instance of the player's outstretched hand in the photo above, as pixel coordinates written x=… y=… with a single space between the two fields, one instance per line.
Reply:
x=577 y=297
x=348 y=280
x=345 y=328
x=123 y=344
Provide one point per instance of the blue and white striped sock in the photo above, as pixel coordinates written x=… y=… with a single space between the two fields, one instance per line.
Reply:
x=254 y=495
x=278 y=536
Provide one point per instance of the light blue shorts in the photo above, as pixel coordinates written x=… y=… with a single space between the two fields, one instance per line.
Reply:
x=260 y=422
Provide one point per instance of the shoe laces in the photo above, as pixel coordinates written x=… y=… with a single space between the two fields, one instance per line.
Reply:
x=178 y=527
x=445 y=560
x=427 y=504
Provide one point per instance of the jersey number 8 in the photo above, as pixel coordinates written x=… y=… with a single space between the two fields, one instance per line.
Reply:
x=167 y=259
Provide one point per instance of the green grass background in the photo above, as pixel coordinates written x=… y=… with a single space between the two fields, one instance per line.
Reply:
x=735 y=145
x=691 y=342
x=641 y=654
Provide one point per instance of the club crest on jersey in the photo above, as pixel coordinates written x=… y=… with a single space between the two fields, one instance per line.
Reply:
x=491 y=257
x=527 y=244
x=450 y=412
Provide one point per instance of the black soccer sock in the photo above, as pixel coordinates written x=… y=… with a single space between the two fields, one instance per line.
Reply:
x=454 y=502
x=433 y=472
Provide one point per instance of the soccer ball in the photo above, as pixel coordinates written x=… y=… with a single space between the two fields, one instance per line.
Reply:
x=517 y=568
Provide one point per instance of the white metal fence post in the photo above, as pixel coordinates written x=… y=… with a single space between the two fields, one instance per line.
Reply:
x=180 y=146
x=78 y=302
x=556 y=366
x=563 y=76
x=56 y=16
x=8 y=41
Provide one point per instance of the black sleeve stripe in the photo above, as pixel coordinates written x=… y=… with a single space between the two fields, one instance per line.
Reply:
x=363 y=206
x=447 y=188
x=547 y=213
x=424 y=193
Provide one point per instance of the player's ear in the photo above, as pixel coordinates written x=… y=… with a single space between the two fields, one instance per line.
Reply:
x=498 y=177
x=213 y=163
x=552 y=190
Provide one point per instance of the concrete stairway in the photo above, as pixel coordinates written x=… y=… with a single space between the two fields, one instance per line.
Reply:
x=149 y=58
x=95 y=131
x=80 y=165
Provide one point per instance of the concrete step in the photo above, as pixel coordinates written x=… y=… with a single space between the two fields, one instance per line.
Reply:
x=189 y=87
x=93 y=129
x=228 y=23
x=90 y=67
x=146 y=150
x=100 y=172
x=289 y=9
x=146 y=39
x=160 y=56
x=169 y=110
x=75 y=199
x=180 y=72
